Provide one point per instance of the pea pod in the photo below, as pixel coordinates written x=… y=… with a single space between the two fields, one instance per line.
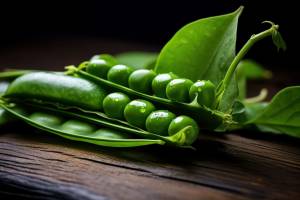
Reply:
x=205 y=117
x=53 y=123
x=178 y=139
x=56 y=87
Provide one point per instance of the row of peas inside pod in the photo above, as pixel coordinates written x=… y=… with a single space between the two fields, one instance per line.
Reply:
x=143 y=114
x=166 y=85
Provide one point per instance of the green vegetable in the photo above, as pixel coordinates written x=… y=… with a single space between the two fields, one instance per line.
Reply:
x=46 y=118
x=202 y=50
x=58 y=88
x=204 y=91
x=140 y=80
x=78 y=130
x=178 y=90
x=206 y=117
x=158 y=122
x=109 y=59
x=76 y=126
x=183 y=121
x=137 y=111
x=119 y=74
x=98 y=67
x=160 y=82
x=114 y=104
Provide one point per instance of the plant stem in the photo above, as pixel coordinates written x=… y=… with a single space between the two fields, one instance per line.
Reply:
x=229 y=74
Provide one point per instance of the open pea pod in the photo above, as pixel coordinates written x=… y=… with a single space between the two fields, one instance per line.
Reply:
x=207 y=118
x=74 y=129
x=80 y=98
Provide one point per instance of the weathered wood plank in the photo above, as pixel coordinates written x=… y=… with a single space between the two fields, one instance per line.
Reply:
x=231 y=167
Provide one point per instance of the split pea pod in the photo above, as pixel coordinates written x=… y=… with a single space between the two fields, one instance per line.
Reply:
x=78 y=130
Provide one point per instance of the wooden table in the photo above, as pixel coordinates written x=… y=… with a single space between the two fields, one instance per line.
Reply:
x=242 y=165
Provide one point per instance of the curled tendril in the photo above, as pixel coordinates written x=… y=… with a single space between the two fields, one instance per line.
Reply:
x=276 y=36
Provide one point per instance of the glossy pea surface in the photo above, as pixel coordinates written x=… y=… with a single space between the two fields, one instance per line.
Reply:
x=46 y=118
x=178 y=90
x=77 y=127
x=114 y=104
x=181 y=122
x=109 y=134
x=107 y=58
x=119 y=74
x=98 y=67
x=158 y=122
x=140 y=80
x=137 y=111
x=160 y=82
x=59 y=88
x=205 y=92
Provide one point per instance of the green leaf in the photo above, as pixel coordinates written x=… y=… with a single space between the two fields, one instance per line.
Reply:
x=138 y=59
x=201 y=50
x=282 y=115
x=252 y=70
x=249 y=69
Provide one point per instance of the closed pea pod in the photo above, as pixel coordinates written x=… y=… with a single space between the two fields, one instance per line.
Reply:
x=178 y=90
x=158 y=122
x=160 y=83
x=137 y=111
x=119 y=74
x=114 y=104
x=204 y=91
x=58 y=88
x=181 y=122
x=140 y=80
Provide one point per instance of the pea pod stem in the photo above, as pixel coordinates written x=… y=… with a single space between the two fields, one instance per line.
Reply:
x=253 y=39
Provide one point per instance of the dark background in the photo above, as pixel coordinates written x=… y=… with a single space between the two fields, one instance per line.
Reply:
x=58 y=33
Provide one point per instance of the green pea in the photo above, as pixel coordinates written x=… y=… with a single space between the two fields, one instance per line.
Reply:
x=114 y=104
x=106 y=57
x=181 y=122
x=137 y=111
x=119 y=74
x=98 y=67
x=158 y=122
x=46 y=119
x=140 y=80
x=205 y=92
x=160 y=83
x=78 y=127
x=178 y=90
x=109 y=134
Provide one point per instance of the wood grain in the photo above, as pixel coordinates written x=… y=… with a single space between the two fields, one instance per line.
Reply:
x=38 y=165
